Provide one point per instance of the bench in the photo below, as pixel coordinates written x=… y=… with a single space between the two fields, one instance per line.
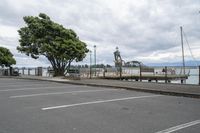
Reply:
x=73 y=74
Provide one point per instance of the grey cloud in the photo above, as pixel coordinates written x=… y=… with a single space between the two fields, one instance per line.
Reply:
x=7 y=16
x=151 y=27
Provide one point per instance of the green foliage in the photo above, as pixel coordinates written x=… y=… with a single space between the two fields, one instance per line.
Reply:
x=6 y=57
x=59 y=45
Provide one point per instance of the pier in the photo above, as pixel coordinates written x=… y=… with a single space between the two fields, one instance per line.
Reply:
x=156 y=78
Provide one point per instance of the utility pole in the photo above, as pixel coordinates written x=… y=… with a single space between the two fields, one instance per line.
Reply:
x=182 y=50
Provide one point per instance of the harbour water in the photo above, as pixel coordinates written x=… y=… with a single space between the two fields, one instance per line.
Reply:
x=193 y=77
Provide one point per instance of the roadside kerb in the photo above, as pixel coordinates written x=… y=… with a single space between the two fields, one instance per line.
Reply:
x=141 y=89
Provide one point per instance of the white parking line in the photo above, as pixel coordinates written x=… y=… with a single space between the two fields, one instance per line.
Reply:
x=179 y=127
x=22 y=89
x=58 y=93
x=100 y=101
x=37 y=88
x=25 y=85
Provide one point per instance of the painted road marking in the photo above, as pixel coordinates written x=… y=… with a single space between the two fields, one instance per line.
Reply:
x=22 y=84
x=22 y=89
x=37 y=88
x=58 y=93
x=95 y=102
x=179 y=127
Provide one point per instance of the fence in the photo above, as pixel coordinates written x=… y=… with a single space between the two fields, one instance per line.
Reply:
x=173 y=74
x=164 y=74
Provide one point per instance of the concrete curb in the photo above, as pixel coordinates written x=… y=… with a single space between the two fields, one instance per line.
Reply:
x=140 y=89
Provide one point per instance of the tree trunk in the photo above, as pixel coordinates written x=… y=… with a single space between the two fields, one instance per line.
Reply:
x=58 y=72
x=58 y=66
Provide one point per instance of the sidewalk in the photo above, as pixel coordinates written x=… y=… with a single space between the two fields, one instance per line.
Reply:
x=160 y=88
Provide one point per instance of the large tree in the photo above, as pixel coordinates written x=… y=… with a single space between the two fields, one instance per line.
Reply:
x=44 y=37
x=6 y=57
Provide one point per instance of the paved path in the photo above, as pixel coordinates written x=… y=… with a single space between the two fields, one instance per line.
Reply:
x=162 y=88
x=172 y=89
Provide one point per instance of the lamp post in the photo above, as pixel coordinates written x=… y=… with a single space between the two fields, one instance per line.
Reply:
x=95 y=60
x=90 y=64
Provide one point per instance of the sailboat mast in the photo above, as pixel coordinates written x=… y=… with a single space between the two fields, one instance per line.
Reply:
x=182 y=50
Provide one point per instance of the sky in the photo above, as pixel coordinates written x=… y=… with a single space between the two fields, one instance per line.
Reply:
x=143 y=30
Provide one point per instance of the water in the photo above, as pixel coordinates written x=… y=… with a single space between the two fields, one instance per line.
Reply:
x=194 y=77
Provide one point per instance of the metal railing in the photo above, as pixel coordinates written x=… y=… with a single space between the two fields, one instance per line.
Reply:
x=164 y=74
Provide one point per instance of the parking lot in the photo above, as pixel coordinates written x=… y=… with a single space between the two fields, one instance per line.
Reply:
x=31 y=106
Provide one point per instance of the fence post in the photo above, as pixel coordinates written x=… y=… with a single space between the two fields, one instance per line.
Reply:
x=28 y=71
x=165 y=74
x=36 y=71
x=11 y=71
x=140 y=72
x=120 y=72
x=199 y=75
x=22 y=71
x=90 y=72
x=104 y=72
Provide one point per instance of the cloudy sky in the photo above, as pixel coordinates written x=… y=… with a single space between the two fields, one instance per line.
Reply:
x=144 y=30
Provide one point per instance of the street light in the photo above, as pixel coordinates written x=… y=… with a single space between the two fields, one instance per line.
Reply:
x=90 y=64
x=95 y=60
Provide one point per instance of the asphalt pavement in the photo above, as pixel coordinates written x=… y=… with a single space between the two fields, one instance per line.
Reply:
x=185 y=90
x=33 y=106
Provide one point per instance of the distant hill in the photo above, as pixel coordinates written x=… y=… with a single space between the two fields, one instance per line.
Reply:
x=187 y=63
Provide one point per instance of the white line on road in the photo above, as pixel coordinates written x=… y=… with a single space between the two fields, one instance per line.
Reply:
x=179 y=127
x=22 y=84
x=100 y=101
x=22 y=89
x=58 y=93
x=38 y=88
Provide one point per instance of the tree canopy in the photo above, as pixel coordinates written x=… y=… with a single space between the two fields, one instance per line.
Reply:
x=59 y=45
x=6 y=57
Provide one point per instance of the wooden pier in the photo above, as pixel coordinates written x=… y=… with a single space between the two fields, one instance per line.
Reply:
x=156 y=78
